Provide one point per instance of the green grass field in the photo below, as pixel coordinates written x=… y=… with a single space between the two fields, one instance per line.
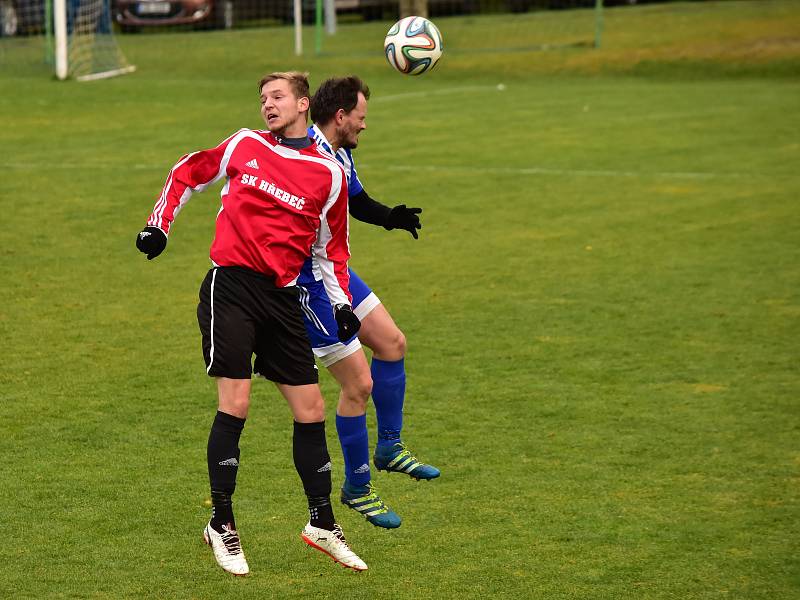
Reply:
x=603 y=315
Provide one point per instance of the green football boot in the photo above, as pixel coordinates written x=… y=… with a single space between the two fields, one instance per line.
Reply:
x=365 y=500
x=398 y=459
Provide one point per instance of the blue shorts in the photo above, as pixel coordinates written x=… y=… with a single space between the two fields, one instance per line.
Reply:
x=319 y=321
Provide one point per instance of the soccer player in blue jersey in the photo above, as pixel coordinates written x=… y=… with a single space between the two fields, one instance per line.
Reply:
x=338 y=110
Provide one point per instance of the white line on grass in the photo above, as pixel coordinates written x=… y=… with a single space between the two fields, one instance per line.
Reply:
x=568 y=172
x=454 y=90
x=97 y=165
x=460 y=169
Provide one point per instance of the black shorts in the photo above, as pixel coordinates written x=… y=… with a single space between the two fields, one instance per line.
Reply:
x=242 y=313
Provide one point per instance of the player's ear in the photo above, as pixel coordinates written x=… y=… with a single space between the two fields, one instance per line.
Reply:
x=303 y=104
x=340 y=115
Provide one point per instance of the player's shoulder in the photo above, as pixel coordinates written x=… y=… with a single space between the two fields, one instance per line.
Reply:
x=263 y=134
x=318 y=151
x=322 y=150
x=245 y=133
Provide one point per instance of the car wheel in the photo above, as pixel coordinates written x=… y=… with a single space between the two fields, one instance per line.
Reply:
x=9 y=21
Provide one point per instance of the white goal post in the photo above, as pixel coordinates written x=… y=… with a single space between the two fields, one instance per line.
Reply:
x=60 y=37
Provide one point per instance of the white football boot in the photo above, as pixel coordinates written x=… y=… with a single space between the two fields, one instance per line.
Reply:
x=334 y=545
x=227 y=549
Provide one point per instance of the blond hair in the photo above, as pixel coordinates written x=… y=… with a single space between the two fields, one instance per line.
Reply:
x=298 y=82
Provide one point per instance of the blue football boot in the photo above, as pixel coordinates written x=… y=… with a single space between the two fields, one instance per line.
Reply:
x=398 y=459
x=365 y=499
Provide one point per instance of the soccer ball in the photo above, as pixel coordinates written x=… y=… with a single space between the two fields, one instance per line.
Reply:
x=413 y=45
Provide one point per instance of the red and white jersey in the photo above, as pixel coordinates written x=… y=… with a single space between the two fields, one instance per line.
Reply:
x=279 y=206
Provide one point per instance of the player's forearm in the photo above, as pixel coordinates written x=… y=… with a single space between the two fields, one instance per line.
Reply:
x=194 y=172
x=368 y=210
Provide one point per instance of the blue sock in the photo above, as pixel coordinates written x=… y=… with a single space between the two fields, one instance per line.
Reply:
x=355 y=448
x=388 y=393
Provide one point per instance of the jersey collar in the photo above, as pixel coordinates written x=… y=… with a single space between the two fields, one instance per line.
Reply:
x=321 y=139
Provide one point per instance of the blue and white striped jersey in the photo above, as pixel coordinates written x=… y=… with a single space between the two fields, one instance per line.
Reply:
x=344 y=156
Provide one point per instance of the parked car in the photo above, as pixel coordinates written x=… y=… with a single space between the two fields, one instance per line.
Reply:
x=133 y=14
x=224 y=14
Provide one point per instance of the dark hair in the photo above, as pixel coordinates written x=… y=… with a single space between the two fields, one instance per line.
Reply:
x=336 y=93
x=298 y=82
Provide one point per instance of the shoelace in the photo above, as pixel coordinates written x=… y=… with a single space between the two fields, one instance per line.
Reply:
x=405 y=452
x=231 y=540
x=373 y=496
x=339 y=535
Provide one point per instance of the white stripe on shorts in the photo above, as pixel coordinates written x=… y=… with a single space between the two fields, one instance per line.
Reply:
x=330 y=355
x=366 y=306
x=211 y=354
x=312 y=316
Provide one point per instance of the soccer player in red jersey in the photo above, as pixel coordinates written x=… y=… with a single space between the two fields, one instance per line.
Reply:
x=282 y=200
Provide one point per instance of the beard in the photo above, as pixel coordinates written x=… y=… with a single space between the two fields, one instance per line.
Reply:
x=350 y=141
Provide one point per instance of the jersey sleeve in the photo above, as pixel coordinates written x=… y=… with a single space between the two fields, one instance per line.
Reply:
x=193 y=173
x=332 y=247
x=354 y=186
x=368 y=210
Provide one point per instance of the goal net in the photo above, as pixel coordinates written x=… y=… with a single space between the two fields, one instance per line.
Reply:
x=73 y=36
x=92 y=51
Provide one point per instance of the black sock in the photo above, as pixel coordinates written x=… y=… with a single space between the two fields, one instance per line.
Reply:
x=222 y=510
x=313 y=464
x=320 y=512
x=223 y=465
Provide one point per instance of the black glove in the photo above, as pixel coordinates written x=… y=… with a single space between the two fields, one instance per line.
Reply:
x=151 y=241
x=347 y=321
x=401 y=217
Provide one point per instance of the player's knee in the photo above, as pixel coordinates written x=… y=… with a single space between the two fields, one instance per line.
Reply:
x=363 y=388
x=312 y=412
x=234 y=397
x=399 y=344
x=236 y=406
x=316 y=416
x=394 y=346
x=358 y=390
x=387 y=345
